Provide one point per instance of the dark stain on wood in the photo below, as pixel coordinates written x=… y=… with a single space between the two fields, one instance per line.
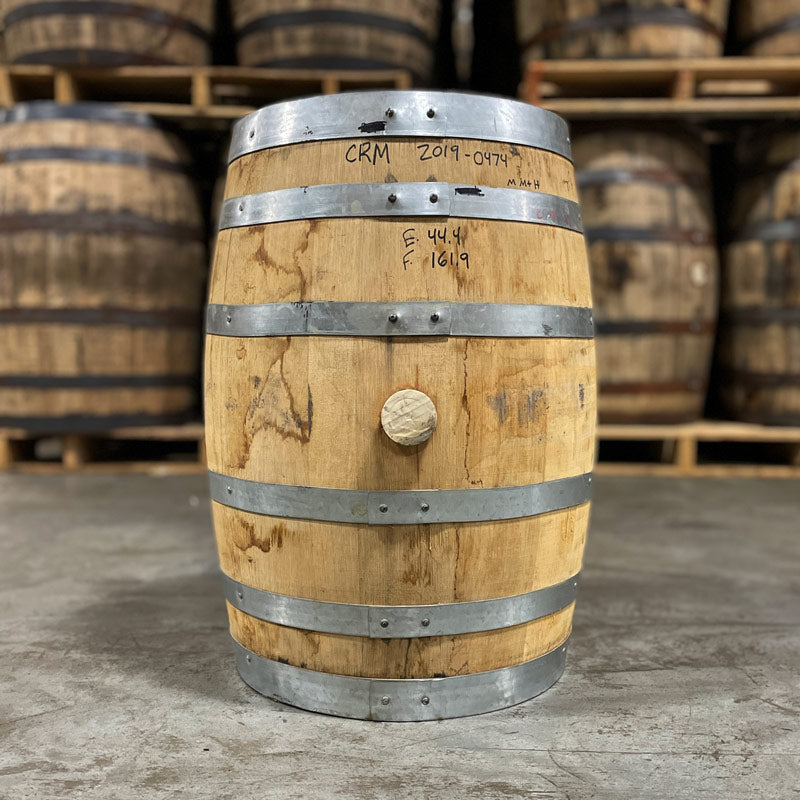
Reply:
x=499 y=404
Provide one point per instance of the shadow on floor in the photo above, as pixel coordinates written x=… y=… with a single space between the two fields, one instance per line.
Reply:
x=172 y=632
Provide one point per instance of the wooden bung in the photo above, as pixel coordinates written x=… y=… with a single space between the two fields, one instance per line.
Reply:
x=408 y=417
x=347 y=292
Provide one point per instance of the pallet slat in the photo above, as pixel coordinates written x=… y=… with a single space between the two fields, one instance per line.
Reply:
x=682 y=458
x=730 y=87
x=200 y=93
x=79 y=451
x=680 y=446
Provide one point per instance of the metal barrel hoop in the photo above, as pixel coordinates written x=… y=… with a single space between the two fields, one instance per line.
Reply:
x=400 y=700
x=400 y=114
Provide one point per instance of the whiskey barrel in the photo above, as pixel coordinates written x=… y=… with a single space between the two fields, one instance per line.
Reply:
x=648 y=214
x=768 y=27
x=760 y=322
x=338 y=34
x=108 y=33
x=627 y=29
x=102 y=267
x=400 y=402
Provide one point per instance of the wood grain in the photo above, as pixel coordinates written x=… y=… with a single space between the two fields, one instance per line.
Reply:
x=766 y=27
x=655 y=298
x=336 y=45
x=77 y=266
x=307 y=410
x=427 y=657
x=408 y=417
x=132 y=38
x=544 y=29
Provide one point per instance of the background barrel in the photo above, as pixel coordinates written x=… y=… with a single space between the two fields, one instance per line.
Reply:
x=630 y=29
x=648 y=214
x=338 y=34
x=768 y=27
x=102 y=268
x=375 y=260
x=760 y=331
x=108 y=33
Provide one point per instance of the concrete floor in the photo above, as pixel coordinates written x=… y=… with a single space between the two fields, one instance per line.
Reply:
x=118 y=680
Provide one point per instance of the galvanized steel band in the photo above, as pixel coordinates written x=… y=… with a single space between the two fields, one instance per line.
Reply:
x=398 y=622
x=399 y=507
x=400 y=113
x=423 y=318
x=400 y=200
x=398 y=700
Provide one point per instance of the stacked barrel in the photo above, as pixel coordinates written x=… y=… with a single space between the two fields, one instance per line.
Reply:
x=338 y=34
x=111 y=33
x=102 y=268
x=312 y=34
x=400 y=409
x=648 y=213
x=768 y=27
x=760 y=337
x=631 y=29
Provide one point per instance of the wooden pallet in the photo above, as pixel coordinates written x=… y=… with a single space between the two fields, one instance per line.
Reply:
x=678 y=450
x=79 y=452
x=680 y=445
x=200 y=94
x=733 y=87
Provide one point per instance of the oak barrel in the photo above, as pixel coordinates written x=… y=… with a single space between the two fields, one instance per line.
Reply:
x=648 y=213
x=768 y=27
x=400 y=402
x=108 y=33
x=102 y=269
x=759 y=348
x=627 y=29
x=338 y=34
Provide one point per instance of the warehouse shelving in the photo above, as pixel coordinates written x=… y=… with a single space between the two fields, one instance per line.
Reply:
x=205 y=95
x=679 y=444
x=111 y=451
x=676 y=454
x=702 y=89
